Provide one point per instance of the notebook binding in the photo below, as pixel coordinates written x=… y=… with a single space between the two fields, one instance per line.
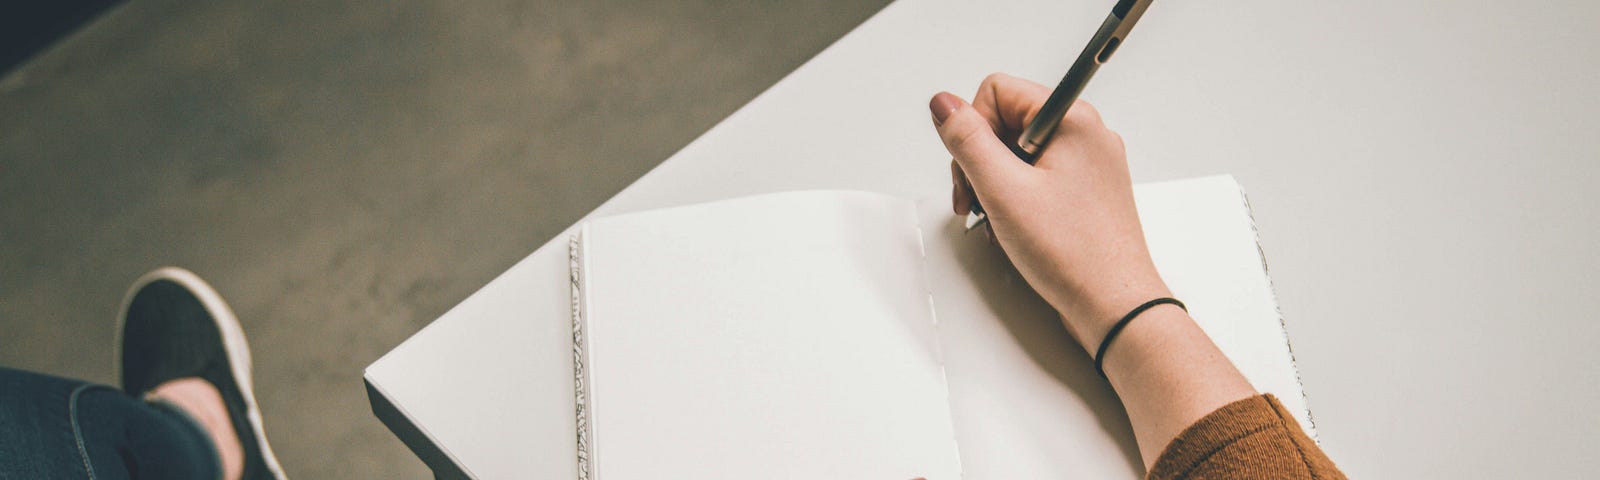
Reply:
x=933 y=317
x=574 y=275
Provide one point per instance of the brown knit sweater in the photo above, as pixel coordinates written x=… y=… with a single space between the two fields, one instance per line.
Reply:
x=1251 y=438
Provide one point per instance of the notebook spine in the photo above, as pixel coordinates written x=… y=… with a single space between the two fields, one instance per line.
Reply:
x=579 y=361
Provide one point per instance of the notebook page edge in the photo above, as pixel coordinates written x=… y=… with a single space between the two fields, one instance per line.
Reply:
x=1238 y=217
x=577 y=260
x=1310 y=421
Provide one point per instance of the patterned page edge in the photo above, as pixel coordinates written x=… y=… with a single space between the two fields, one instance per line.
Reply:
x=579 y=361
x=1278 y=309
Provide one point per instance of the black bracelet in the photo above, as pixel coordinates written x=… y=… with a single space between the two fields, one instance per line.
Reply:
x=1100 y=356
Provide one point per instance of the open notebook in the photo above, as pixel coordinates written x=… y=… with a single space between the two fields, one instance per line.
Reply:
x=828 y=334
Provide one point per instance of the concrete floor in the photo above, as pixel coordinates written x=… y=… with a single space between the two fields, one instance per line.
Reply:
x=345 y=172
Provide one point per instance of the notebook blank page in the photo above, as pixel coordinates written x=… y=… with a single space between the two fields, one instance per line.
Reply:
x=781 y=336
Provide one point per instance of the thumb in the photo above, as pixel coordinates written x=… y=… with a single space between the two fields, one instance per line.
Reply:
x=971 y=140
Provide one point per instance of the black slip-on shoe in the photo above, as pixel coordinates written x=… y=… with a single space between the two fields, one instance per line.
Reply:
x=173 y=325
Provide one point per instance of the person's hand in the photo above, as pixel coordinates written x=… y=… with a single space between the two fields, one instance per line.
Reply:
x=1069 y=225
x=1067 y=222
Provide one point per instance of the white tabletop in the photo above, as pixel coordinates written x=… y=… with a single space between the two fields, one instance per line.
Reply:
x=1420 y=172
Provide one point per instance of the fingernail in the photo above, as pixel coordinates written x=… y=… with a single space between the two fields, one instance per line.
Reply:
x=942 y=105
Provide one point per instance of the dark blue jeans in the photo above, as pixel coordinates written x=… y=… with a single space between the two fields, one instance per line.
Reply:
x=53 y=427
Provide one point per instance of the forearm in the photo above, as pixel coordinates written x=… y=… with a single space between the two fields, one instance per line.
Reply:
x=1164 y=368
x=1169 y=374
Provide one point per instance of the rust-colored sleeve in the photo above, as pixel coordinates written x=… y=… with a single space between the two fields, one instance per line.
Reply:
x=1251 y=438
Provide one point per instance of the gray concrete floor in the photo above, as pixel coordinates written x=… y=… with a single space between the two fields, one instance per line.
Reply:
x=345 y=172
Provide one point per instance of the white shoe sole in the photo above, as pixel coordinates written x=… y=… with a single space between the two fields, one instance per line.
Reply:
x=233 y=342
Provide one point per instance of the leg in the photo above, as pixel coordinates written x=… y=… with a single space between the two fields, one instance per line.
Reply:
x=53 y=427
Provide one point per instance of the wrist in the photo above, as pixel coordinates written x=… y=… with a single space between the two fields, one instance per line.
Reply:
x=1088 y=316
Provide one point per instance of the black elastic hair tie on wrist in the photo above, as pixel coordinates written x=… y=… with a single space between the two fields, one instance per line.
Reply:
x=1100 y=356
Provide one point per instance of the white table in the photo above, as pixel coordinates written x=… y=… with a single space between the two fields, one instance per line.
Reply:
x=1421 y=174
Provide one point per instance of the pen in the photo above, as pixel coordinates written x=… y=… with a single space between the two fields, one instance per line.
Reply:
x=1111 y=34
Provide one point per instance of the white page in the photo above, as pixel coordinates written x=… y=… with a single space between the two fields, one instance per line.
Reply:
x=779 y=336
x=1026 y=399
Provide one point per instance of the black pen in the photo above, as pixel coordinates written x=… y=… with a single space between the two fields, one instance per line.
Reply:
x=1105 y=42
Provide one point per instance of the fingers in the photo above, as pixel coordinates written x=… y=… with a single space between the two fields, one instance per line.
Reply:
x=977 y=135
x=1082 y=130
x=1082 y=118
x=1008 y=102
x=968 y=137
x=961 y=196
x=1084 y=113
